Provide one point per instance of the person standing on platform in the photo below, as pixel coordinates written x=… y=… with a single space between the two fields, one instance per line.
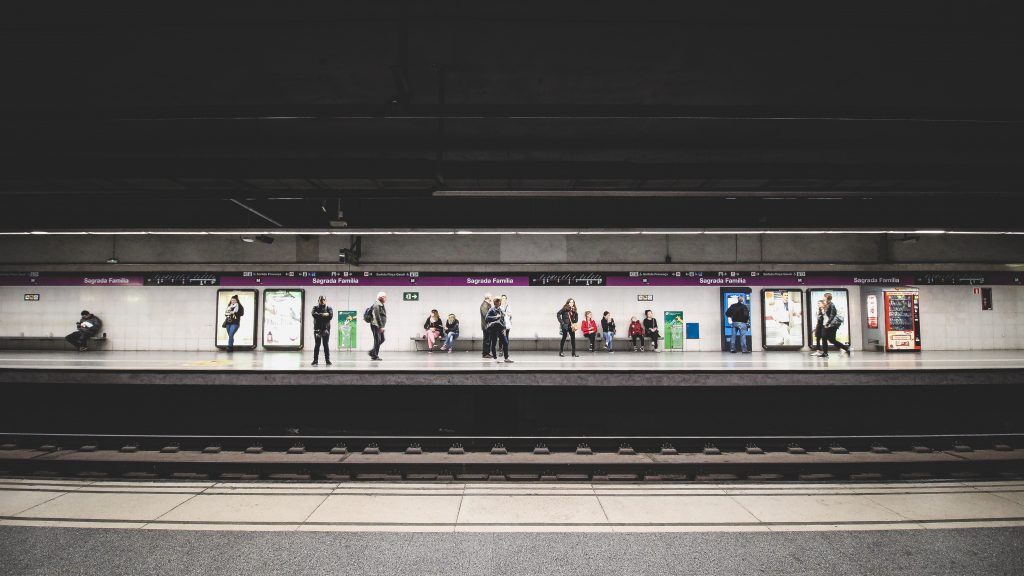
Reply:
x=590 y=329
x=434 y=328
x=833 y=320
x=508 y=320
x=378 y=319
x=636 y=334
x=88 y=326
x=495 y=328
x=819 y=330
x=568 y=318
x=232 y=318
x=608 y=331
x=451 y=333
x=651 y=329
x=485 y=307
x=739 y=314
x=322 y=317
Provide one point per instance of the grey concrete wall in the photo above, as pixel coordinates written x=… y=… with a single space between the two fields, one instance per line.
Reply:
x=487 y=251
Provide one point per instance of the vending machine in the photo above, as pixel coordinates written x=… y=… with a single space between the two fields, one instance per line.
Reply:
x=892 y=318
x=728 y=297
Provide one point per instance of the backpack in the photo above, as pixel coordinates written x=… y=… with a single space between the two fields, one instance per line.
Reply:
x=838 y=320
x=368 y=315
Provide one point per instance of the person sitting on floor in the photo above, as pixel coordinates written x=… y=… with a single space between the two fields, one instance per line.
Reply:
x=88 y=326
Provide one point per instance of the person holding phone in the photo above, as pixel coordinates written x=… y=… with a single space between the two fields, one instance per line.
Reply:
x=322 y=316
x=590 y=329
x=608 y=331
x=451 y=333
x=433 y=329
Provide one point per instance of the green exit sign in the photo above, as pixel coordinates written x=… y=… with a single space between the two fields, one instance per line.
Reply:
x=411 y=296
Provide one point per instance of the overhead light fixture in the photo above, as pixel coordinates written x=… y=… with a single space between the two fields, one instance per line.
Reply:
x=249 y=239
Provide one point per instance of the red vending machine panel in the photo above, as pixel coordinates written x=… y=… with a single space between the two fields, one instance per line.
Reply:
x=902 y=319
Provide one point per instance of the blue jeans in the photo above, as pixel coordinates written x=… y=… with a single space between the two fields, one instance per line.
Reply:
x=609 y=340
x=232 y=328
x=449 y=340
x=739 y=330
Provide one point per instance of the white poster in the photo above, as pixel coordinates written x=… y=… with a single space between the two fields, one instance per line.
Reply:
x=245 y=336
x=283 y=319
x=782 y=318
x=841 y=299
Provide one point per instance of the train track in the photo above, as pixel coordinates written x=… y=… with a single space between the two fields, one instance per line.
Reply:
x=513 y=458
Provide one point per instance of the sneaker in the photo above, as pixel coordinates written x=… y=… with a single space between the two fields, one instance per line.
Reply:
x=823 y=355
x=449 y=351
x=375 y=358
x=746 y=351
x=314 y=363
x=507 y=361
x=575 y=355
x=328 y=362
x=561 y=354
x=488 y=356
x=732 y=351
x=85 y=349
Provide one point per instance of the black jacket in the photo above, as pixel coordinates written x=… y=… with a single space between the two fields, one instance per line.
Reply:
x=566 y=318
x=436 y=325
x=650 y=325
x=95 y=325
x=451 y=328
x=322 y=323
x=830 y=314
x=738 y=312
x=608 y=326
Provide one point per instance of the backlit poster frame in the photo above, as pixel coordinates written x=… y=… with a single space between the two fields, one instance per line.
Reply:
x=348 y=329
x=839 y=295
x=250 y=300
x=767 y=311
x=723 y=301
x=675 y=330
x=268 y=295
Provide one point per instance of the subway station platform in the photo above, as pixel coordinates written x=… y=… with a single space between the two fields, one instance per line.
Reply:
x=624 y=368
x=80 y=526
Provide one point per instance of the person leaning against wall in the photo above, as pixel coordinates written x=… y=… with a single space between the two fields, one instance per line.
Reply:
x=568 y=319
x=378 y=318
x=322 y=316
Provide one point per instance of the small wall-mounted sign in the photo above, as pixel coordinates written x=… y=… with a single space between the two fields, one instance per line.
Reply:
x=986 y=298
x=32 y=297
x=645 y=297
x=411 y=296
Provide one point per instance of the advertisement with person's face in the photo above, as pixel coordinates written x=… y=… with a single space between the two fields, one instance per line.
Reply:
x=841 y=300
x=245 y=336
x=283 y=319
x=782 y=319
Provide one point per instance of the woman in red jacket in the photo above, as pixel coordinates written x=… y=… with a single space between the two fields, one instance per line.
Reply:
x=636 y=333
x=589 y=328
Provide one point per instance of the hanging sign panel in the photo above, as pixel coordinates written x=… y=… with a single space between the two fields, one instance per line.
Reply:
x=283 y=319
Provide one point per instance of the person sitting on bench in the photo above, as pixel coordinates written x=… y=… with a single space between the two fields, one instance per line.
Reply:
x=88 y=326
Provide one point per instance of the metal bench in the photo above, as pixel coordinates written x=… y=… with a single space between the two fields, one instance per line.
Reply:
x=43 y=342
x=525 y=344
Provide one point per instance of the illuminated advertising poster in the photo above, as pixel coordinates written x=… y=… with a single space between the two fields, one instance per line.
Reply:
x=730 y=296
x=245 y=337
x=872 y=311
x=347 y=322
x=283 y=319
x=782 y=322
x=675 y=330
x=841 y=300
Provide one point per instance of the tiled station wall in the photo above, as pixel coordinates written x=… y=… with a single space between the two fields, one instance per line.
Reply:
x=185 y=318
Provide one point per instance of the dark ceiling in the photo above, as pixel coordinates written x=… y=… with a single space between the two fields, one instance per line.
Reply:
x=862 y=114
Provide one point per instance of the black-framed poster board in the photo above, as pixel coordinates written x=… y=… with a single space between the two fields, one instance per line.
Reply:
x=782 y=322
x=245 y=336
x=283 y=318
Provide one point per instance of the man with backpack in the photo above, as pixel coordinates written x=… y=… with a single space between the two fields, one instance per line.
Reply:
x=377 y=316
x=739 y=313
x=833 y=320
